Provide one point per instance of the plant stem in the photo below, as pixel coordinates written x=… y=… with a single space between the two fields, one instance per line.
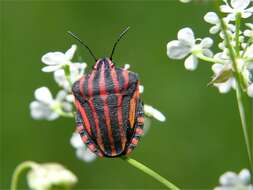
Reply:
x=242 y=99
x=17 y=172
x=237 y=33
x=246 y=123
x=208 y=59
x=150 y=172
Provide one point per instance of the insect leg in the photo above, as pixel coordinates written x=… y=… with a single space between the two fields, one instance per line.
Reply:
x=85 y=136
x=138 y=129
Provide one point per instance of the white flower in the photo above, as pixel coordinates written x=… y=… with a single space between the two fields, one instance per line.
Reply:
x=57 y=60
x=225 y=81
x=76 y=72
x=232 y=181
x=185 y=1
x=147 y=124
x=185 y=45
x=50 y=176
x=250 y=90
x=82 y=152
x=141 y=88
x=212 y=18
x=249 y=32
x=45 y=107
x=152 y=112
x=237 y=6
x=126 y=66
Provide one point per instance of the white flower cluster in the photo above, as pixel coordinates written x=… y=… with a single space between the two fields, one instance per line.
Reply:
x=65 y=73
x=199 y=1
x=50 y=176
x=229 y=29
x=233 y=181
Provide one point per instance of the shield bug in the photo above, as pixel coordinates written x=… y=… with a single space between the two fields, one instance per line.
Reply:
x=109 y=111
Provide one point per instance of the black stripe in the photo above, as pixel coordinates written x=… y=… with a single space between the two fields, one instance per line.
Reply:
x=99 y=107
x=112 y=102
x=86 y=108
x=120 y=78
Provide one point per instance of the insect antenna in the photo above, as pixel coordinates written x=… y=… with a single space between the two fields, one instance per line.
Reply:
x=119 y=38
x=81 y=42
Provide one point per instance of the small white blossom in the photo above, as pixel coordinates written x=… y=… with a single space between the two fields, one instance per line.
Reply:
x=152 y=112
x=141 y=88
x=250 y=90
x=50 y=176
x=45 y=107
x=212 y=18
x=147 y=124
x=227 y=82
x=82 y=152
x=185 y=1
x=57 y=60
x=237 y=6
x=248 y=32
x=76 y=72
x=233 y=181
x=187 y=44
x=126 y=66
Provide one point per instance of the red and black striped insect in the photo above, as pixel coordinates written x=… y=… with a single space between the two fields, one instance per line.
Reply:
x=110 y=115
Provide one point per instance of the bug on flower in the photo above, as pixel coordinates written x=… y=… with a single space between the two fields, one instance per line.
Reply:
x=110 y=115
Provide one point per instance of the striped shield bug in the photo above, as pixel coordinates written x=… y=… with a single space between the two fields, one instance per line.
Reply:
x=109 y=111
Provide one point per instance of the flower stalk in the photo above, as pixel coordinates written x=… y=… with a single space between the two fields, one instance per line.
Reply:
x=242 y=99
x=150 y=172
x=18 y=171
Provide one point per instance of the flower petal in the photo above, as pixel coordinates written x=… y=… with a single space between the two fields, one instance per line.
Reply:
x=126 y=66
x=240 y=4
x=152 y=112
x=250 y=90
x=244 y=176
x=226 y=9
x=217 y=68
x=206 y=42
x=85 y=154
x=191 y=63
x=214 y=29
x=61 y=95
x=228 y=179
x=77 y=71
x=54 y=58
x=60 y=79
x=52 y=68
x=141 y=89
x=224 y=87
x=186 y=35
x=212 y=18
x=70 y=53
x=43 y=95
x=177 y=50
x=39 y=110
x=76 y=140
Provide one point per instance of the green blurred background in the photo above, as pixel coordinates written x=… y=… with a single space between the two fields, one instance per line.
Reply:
x=202 y=136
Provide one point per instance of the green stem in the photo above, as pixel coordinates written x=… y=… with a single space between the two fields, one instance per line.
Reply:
x=150 y=172
x=64 y=114
x=242 y=100
x=17 y=172
x=245 y=123
x=67 y=74
x=237 y=33
x=208 y=59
